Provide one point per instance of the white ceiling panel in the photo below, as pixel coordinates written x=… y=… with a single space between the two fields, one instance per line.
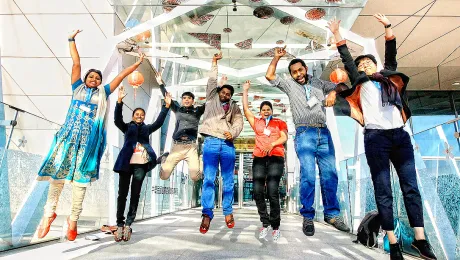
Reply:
x=38 y=141
x=106 y=22
x=36 y=76
x=19 y=39
x=86 y=64
x=9 y=87
x=445 y=8
x=427 y=30
x=8 y=7
x=55 y=33
x=51 y=6
x=57 y=111
x=22 y=102
x=406 y=7
x=98 y=6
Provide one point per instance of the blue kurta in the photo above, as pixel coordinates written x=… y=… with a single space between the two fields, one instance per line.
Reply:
x=64 y=159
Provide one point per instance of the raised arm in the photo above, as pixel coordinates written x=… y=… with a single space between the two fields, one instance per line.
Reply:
x=347 y=59
x=212 y=81
x=119 y=78
x=162 y=116
x=161 y=83
x=271 y=71
x=119 y=111
x=390 y=43
x=76 y=66
x=247 y=112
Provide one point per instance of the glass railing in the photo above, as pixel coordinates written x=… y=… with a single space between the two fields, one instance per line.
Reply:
x=24 y=142
x=437 y=155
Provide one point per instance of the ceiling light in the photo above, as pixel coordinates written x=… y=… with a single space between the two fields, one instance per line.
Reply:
x=457 y=83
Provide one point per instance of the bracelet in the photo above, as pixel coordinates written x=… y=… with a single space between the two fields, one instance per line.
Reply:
x=388 y=26
x=71 y=39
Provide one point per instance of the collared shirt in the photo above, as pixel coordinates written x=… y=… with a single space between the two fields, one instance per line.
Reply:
x=275 y=126
x=297 y=94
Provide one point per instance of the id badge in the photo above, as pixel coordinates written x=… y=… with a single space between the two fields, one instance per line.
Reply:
x=85 y=108
x=267 y=132
x=312 y=101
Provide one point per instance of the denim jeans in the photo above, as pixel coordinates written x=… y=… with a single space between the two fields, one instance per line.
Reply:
x=269 y=170
x=381 y=147
x=315 y=145
x=217 y=151
x=138 y=172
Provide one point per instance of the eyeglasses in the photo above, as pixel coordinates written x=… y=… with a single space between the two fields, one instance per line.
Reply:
x=364 y=63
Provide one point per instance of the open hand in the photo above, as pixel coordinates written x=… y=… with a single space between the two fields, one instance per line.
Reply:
x=141 y=59
x=246 y=85
x=223 y=80
x=168 y=99
x=267 y=148
x=121 y=93
x=217 y=56
x=382 y=19
x=333 y=25
x=280 y=52
x=228 y=135
x=331 y=98
x=74 y=33
x=159 y=78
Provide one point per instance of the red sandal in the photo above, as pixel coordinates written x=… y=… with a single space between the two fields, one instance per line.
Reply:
x=230 y=221
x=205 y=224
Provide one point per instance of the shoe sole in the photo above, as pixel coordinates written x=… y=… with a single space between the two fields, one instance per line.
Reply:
x=422 y=256
x=336 y=228
x=308 y=234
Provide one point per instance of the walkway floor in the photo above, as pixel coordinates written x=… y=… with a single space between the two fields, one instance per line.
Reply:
x=176 y=236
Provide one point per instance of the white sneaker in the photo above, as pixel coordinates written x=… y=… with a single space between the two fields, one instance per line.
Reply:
x=276 y=235
x=263 y=232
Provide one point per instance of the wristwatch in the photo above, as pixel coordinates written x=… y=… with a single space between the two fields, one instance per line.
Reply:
x=388 y=26
x=71 y=39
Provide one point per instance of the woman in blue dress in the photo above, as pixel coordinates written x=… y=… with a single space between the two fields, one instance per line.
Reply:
x=78 y=146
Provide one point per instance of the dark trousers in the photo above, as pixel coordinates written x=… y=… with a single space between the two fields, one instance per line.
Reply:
x=383 y=146
x=138 y=172
x=269 y=170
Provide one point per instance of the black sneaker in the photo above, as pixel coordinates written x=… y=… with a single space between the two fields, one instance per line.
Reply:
x=162 y=158
x=395 y=252
x=308 y=227
x=424 y=249
x=338 y=223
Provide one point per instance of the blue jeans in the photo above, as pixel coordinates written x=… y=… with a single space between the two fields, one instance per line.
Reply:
x=217 y=151
x=315 y=145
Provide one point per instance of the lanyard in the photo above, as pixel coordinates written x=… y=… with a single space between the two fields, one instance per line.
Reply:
x=307 y=90
x=89 y=92
x=267 y=120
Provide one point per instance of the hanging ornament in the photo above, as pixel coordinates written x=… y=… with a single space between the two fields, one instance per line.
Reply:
x=277 y=100
x=315 y=14
x=338 y=76
x=263 y=12
x=201 y=20
x=287 y=20
x=244 y=45
x=142 y=37
x=227 y=30
x=279 y=42
x=135 y=79
x=208 y=38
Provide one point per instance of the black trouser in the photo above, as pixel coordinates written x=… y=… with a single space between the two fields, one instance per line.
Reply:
x=383 y=146
x=268 y=170
x=138 y=171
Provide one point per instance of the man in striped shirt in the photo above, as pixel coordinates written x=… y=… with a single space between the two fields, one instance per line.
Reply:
x=313 y=142
x=222 y=123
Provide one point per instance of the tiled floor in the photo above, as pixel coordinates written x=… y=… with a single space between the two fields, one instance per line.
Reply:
x=176 y=236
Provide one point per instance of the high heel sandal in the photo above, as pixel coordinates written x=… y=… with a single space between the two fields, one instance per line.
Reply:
x=71 y=234
x=204 y=227
x=127 y=231
x=118 y=234
x=43 y=230
x=230 y=221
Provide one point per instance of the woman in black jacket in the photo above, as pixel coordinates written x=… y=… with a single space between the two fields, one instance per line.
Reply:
x=135 y=159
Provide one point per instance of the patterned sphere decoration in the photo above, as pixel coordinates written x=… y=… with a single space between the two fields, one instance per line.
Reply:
x=263 y=12
x=227 y=30
x=279 y=42
x=338 y=76
x=135 y=79
x=287 y=20
x=315 y=14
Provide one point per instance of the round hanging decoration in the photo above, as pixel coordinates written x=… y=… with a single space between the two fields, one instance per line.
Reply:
x=315 y=14
x=227 y=30
x=135 y=79
x=338 y=76
x=280 y=42
x=287 y=20
x=141 y=37
x=263 y=12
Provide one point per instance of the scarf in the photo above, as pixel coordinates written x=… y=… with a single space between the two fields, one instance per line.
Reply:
x=97 y=139
x=390 y=94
